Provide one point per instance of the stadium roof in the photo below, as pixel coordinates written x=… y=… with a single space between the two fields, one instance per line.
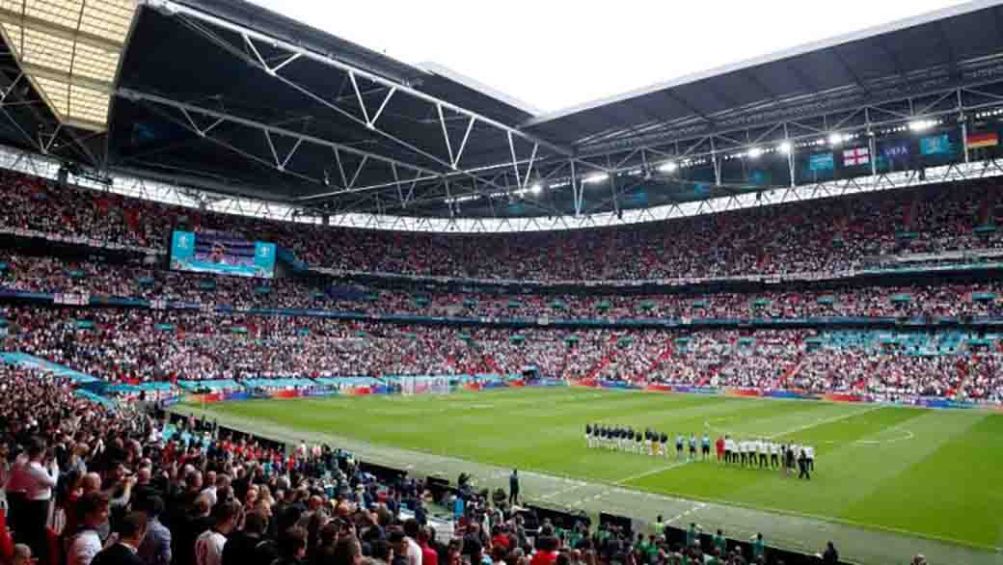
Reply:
x=69 y=50
x=911 y=55
x=230 y=98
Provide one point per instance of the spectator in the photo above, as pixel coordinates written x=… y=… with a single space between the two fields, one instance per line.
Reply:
x=156 y=546
x=348 y=551
x=131 y=531
x=209 y=545
x=292 y=546
x=35 y=477
x=830 y=556
x=249 y=546
x=92 y=515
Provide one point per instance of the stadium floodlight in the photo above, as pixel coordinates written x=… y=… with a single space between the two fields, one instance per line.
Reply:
x=595 y=178
x=755 y=152
x=668 y=167
x=837 y=138
x=537 y=188
x=921 y=125
x=785 y=147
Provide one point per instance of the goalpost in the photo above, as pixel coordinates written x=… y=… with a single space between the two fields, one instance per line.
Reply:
x=411 y=386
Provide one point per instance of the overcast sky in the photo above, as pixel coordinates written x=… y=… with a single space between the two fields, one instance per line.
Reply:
x=553 y=54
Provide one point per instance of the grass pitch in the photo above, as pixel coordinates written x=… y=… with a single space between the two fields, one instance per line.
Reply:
x=919 y=472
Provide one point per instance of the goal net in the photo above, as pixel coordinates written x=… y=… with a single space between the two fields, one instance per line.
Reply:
x=411 y=386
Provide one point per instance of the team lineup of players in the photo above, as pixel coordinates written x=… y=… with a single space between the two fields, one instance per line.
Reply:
x=761 y=453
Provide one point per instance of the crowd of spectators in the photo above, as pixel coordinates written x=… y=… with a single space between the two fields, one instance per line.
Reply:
x=88 y=485
x=124 y=487
x=819 y=236
x=55 y=275
x=138 y=345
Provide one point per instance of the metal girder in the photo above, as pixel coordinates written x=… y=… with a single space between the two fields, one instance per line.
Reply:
x=801 y=107
x=807 y=192
x=890 y=115
x=12 y=17
x=708 y=149
x=175 y=8
x=219 y=116
x=34 y=69
x=49 y=136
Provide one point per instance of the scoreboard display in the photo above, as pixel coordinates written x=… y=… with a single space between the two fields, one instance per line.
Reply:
x=221 y=253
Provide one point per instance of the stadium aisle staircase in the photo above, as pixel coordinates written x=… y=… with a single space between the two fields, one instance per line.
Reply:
x=605 y=361
x=492 y=364
x=791 y=371
x=705 y=379
x=666 y=353
x=599 y=366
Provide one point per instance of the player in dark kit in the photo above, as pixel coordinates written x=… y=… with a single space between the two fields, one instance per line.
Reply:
x=664 y=440
x=705 y=446
x=803 y=466
x=693 y=446
x=679 y=446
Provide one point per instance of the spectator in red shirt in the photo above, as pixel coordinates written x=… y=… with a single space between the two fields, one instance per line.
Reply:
x=546 y=552
x=500 y=539
x=428 y=555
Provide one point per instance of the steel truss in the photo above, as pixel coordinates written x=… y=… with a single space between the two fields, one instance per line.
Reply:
x=171 y=193
x=590 y=179
x=442 y=164
x=440 y=173
x=955 y=107
x=626 y=167
x=30 y=120
x=989 y=168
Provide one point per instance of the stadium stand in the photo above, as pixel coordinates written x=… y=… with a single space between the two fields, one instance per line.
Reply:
x=819 y=237
x=886 y=295
x=92 y=314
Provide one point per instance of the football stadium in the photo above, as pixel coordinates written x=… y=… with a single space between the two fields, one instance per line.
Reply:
x=272 y=297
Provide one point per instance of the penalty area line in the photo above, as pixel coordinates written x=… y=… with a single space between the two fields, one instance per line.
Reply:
x=822 y=422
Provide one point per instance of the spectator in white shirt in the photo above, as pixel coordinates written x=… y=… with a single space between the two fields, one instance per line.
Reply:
x=209 y=545
x=92 y=513
x=35 y=479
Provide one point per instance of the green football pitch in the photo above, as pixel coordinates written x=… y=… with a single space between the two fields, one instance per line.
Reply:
x=929 y=473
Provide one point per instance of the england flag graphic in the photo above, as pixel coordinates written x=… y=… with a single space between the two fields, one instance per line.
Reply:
x=856 y=156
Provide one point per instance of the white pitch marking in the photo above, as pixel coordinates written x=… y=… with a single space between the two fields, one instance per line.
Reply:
x=682 y=515
x=654 y=471
x=822 y=421
x=801 y=428
x=562 y=491
x=905 y=437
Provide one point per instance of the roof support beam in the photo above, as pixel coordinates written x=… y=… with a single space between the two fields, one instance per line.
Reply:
x=12 y=17
x=171 y=7
x=370 y=123
x=270 y=129
x=34 y=69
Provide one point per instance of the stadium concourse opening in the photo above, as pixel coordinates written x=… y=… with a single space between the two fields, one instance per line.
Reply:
x=269 y=297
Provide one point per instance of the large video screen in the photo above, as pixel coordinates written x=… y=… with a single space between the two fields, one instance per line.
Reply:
x=225 y=254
